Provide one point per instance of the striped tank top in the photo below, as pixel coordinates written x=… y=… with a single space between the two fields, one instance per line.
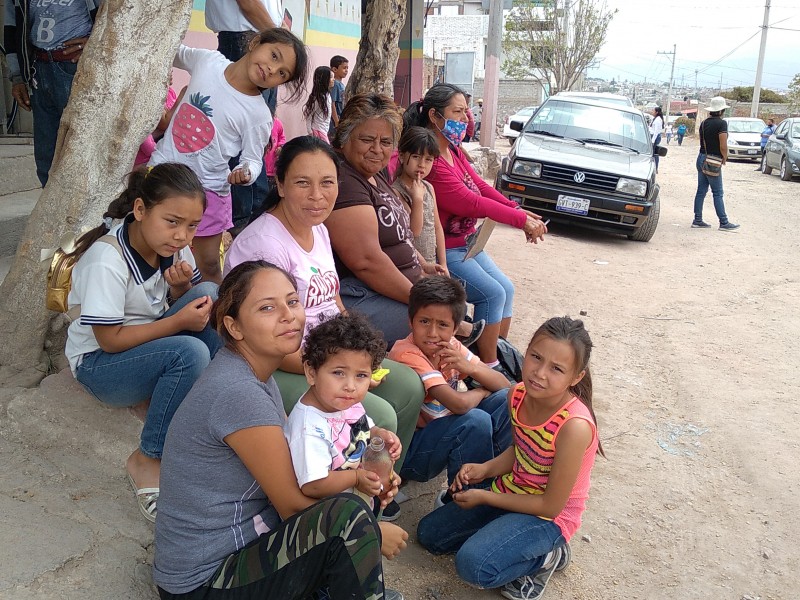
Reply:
x=534 y=451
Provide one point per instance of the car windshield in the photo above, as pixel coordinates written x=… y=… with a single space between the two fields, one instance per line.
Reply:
x=608 y=100
x=526 y=112
x=745 y=126
x=602 y=124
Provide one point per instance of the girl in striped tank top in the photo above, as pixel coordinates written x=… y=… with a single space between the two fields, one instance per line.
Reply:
x=511 y=518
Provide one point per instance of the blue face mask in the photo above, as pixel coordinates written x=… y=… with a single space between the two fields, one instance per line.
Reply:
x=454 y=131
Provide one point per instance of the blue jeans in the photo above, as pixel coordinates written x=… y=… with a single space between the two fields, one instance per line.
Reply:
x=48 y=100
x=389 y=316
x=163 y=370
x=449 y=442
x=492 y=546
x=488 y=288
x=703 y=183
x=244 y=198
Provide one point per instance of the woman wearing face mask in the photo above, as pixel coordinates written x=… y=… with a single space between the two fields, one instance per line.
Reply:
x=463 y=198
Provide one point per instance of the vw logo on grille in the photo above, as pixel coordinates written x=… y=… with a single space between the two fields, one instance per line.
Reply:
x=579 y=177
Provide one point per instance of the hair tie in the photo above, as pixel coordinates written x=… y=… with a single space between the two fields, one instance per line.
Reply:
x=108 y=222
x=149 y=169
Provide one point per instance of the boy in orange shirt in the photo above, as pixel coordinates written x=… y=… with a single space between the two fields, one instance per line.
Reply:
x=454 y=427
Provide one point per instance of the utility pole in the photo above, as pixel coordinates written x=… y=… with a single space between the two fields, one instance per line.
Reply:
x=760 y=67
x=671 y=76
x=696 y=95
x=491 y=81
x=562 y=87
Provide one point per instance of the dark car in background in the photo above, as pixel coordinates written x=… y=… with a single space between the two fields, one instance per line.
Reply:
x=783 y=150
x=586 y=162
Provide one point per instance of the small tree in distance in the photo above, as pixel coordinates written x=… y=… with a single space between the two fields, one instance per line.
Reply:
x=793 y=95
x=553 y=44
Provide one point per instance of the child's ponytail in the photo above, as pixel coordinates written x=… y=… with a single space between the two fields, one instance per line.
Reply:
x=153 y=185
x=319 y=92
x=574 y=333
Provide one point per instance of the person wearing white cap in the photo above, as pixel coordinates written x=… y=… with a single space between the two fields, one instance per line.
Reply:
x=713 y=145
x=477 y=113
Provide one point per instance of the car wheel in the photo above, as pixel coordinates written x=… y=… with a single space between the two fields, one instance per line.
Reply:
x=648 y=229
x=786 y=171
x=765 y=169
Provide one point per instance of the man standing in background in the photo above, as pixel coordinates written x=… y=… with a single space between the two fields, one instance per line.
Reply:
x=476 y=114
x=768 y=131
x=44 y=41
x=340 y=67
x=470 y=133
x=235 y=22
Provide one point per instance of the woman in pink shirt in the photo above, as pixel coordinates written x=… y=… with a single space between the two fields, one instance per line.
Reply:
x=463 y=198
x=291 y=234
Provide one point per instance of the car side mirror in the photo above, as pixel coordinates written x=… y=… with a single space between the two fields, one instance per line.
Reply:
x=660 y=150
x=780 y=136
x=516 y=125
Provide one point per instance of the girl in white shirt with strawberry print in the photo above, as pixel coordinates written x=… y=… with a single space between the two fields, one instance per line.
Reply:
x=220 y=114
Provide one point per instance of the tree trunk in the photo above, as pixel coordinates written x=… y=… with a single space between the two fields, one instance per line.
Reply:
x=117 y=97
x=378 y=50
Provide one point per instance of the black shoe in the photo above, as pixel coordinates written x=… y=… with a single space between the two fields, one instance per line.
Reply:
x=391 y=512
x=728 y=226
x=477 y=330
x=700 y=225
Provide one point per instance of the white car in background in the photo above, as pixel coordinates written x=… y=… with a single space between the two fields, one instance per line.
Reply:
x=744 y=137
x=522 y=116
x=605 y=97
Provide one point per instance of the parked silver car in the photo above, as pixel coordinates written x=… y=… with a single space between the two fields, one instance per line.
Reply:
x=586 y=162
x=783 y=150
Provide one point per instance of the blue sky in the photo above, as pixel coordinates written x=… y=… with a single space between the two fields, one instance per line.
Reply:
x=704 y=33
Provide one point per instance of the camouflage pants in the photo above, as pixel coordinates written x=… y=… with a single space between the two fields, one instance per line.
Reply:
x=334 y=544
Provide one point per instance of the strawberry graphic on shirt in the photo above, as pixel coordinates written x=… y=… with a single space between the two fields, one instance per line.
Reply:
x=322 y=287
x=193 y=129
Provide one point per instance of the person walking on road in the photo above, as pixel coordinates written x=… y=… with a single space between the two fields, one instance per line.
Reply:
x=768 y=131
x=713 y=144
x=681 y=133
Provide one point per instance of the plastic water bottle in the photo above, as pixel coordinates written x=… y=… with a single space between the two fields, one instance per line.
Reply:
x=376 y=459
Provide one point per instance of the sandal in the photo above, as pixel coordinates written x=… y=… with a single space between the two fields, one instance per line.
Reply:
x=146 y=498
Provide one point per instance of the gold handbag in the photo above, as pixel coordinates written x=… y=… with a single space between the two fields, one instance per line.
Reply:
x=59 y=281
x=59 y=276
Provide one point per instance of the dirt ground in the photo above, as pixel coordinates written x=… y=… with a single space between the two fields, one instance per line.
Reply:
x=695 y=394
x=693 y=369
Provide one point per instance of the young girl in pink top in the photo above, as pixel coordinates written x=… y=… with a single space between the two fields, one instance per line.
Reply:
x=514 y=529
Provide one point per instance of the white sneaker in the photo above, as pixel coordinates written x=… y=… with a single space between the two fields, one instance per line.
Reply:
x=531 y=587
x=438 y=501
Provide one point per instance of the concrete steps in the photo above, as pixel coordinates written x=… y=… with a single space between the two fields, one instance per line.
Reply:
x=19 y=192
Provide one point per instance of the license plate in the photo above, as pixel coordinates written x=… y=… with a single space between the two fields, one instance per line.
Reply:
x=573 y=205
x=752 y=151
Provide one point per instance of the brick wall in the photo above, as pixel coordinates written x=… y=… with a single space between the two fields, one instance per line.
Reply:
x=513 y=96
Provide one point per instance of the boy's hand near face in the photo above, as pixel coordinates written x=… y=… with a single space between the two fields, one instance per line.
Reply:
x=451 y=358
